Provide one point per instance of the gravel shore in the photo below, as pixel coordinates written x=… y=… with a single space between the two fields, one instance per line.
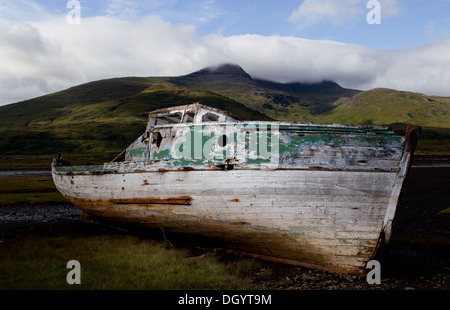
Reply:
x=22 y=216
x=417 y=258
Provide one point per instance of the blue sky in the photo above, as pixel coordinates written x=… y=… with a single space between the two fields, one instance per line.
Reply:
x=289 y=40
x=404 y=23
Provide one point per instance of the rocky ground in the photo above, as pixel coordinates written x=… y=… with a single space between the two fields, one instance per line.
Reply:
x=417 y=258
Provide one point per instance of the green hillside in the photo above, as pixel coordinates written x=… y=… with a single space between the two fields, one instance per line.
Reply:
x=383 y=106
x=103 y=116
x=388 y=106
x=107 y=115
x=296 y=102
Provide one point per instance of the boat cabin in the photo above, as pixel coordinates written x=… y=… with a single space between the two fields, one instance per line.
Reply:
x=152 y=140
x=193 y=113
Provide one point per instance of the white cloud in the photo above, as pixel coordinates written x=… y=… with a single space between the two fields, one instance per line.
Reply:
x=208 y=11
x=314 y=11
x=423 y=69
x=338 y=12
x=64 y=55
x=32 y=64
x=21 y=10
x=51 y=55
x=390 y=8
x=124 y=9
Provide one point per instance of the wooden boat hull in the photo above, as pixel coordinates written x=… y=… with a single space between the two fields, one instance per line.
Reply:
x=315 y=195
x=330 y=220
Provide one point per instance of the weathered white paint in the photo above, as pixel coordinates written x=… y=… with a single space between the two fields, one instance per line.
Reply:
x=335 y=213
x=325 y=205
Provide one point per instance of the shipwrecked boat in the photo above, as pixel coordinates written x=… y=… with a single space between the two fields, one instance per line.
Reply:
x=315 y=195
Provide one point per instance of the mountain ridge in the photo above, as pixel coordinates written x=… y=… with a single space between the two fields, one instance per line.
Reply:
x=275 y=99
x=107 y=115
x=221 y=71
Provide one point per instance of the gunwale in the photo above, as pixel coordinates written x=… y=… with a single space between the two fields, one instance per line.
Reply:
x=160 y=206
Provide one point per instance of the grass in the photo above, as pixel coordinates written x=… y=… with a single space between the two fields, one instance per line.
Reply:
x=385 y=106
x=108 y=262
x=35 y=190
x=108 y=115
x=434 y=140
x=26 y=185
x=117 y=262
x=445 y=211
x=102 y=116
x=25 y=160
x=29 y=191
x=398 y=108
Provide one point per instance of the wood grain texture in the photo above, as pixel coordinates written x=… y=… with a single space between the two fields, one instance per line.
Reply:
x=315 y=195
x=331 y=215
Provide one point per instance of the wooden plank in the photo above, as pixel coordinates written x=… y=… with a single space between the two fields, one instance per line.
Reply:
x=335 y=190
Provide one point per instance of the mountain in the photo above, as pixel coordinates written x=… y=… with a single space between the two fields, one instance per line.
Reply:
x=101 y=116
x=107 y=115
x=388 y=106
x=281 y=101
x=382 y=106
x=221 y=73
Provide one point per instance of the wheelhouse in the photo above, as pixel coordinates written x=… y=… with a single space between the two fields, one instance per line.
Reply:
x=159 y=132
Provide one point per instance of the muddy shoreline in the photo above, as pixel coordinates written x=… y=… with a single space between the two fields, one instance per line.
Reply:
x=417 y=258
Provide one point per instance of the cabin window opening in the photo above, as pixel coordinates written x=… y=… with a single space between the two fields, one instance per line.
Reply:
x=209 y=117
x=189 y=117
x=223 y=140
x=172 y=118
x=157 y=138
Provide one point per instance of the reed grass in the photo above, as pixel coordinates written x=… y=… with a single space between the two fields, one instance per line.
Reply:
x=117 y=262
x=29 y=191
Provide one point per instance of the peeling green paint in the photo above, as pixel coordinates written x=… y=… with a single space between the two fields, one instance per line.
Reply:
x=79 y=168
x=137 y=152
x=279 y=204
x=259 y=143
x=163 y=154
